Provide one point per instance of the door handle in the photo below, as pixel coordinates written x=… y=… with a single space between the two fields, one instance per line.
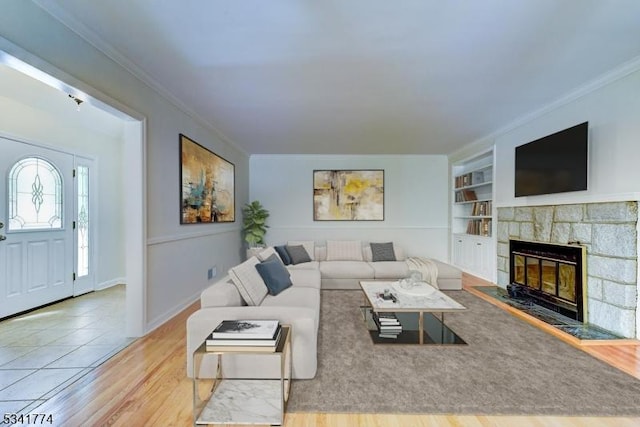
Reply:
x=2 y=237
x=1 y=224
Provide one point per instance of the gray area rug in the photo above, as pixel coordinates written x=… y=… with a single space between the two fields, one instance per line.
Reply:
x=508 y=367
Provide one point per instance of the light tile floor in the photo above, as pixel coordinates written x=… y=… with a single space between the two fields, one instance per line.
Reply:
x=43 y=351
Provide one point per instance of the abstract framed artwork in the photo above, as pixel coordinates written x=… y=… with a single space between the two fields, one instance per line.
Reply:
x=348 y=195
x=207 y=185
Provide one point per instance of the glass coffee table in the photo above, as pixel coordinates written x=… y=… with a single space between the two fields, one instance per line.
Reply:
x=416 y=309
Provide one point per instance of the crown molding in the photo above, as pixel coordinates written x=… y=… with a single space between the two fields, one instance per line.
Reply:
x=605 y=79
x=91 y=37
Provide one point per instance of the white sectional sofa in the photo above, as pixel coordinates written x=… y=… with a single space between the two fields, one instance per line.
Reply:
x=333 y=265
x=298 y=306
x=337 y=273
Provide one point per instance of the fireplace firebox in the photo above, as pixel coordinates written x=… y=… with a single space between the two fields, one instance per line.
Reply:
x=552 y=275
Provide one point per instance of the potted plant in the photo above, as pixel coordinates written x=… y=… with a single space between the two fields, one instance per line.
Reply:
x=254 y=223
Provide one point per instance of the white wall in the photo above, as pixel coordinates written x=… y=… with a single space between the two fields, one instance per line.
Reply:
x=613 y=112
x=71 y=134
x=32 y=29
x=416 y=200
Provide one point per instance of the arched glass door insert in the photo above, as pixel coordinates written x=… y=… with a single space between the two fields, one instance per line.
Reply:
x=35 y=195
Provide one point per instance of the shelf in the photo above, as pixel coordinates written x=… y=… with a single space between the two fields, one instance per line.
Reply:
x=457 y=235
x=467 y=187
x=244 y=402
x=472 y=223
x=218 y=400
x=472 y=201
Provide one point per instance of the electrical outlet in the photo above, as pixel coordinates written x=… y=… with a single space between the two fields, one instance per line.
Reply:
x=212 y=272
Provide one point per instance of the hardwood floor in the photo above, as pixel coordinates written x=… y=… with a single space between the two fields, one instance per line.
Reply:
x=146 y=385
x=623 y=354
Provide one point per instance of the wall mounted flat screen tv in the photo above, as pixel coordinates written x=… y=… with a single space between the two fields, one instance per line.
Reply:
x=557 y=163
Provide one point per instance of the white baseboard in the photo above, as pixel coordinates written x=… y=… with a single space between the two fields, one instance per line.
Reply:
x=110 y=283
x=169 y=314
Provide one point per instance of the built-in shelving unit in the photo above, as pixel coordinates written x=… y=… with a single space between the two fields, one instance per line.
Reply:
x=472 y=215
x=473 y=196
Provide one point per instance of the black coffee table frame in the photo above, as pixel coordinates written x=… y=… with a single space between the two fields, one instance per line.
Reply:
x=435 y=332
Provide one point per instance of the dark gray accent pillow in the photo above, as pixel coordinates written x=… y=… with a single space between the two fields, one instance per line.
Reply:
x=284 y=255
x=298 y=254
x=382 y=252
x=275 y=274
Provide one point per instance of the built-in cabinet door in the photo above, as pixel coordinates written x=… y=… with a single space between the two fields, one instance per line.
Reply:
x=474 y=254
x=458 y=250
x=478 y=249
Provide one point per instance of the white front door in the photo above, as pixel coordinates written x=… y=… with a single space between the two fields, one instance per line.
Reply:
x=37 y=213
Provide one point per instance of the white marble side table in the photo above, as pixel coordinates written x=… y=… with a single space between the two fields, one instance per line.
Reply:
x=222 y=400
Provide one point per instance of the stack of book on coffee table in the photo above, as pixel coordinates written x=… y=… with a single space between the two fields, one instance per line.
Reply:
x=245 y=335
x=388 y=324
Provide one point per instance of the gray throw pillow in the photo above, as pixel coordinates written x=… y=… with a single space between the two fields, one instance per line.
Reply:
x=275 y=274
x=298 y=254
x=382 y=252
x=284 y=255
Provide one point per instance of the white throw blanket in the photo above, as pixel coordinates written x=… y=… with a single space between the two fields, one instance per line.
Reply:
x=426 y=267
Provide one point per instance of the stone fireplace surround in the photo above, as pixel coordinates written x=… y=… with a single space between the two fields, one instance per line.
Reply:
x=608 y=230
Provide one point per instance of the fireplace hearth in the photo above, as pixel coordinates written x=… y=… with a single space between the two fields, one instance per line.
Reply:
x=551 y=275
x=608 y=231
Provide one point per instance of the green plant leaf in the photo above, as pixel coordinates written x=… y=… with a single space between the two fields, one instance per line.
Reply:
x=254 y=222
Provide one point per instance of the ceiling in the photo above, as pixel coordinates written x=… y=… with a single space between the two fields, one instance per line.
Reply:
x=360 y=76
x=31 y=93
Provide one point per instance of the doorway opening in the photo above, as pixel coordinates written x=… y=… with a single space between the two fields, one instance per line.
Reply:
x=132 y=134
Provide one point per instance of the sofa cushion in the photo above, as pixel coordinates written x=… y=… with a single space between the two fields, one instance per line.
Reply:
x=264 y=254
x=284 y=255
x=382 y=252
x=344 y=250
x=248 y=281
x=309 y=246
x=311 y=265
x=305 y=277
x=298 y=254
x=275 y=274
x=346 y=270
x=294 y=297
x=321 y=253
x=390 y=269
x=221 y=294
x=447 y=271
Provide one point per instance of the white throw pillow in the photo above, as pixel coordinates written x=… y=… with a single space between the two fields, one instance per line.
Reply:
x=263 y=255
x=321 y=253
x=309 y=246
x=249 y=282
x=344 y=250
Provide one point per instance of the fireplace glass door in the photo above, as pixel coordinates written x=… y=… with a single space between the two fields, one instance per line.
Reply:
x=518 y=269
x=567 y=282
x=549 y=276
x=533 y=272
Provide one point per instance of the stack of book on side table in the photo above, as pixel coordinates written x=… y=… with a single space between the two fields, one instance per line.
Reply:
x=388 y=324
x=245 y=335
